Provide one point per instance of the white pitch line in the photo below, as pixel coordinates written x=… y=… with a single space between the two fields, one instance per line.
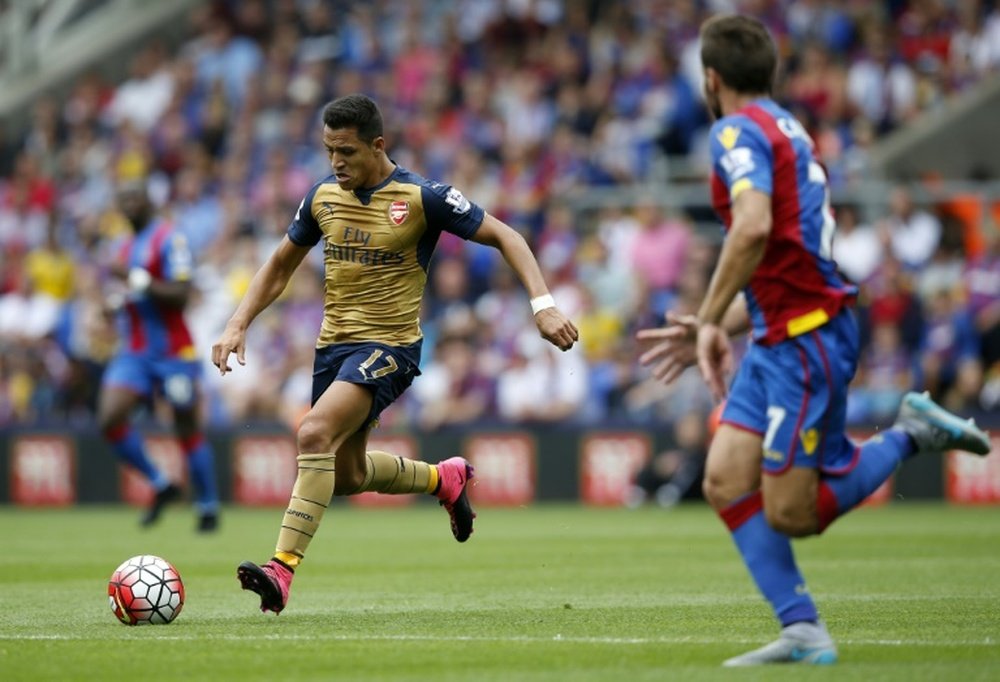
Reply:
x=987 y=642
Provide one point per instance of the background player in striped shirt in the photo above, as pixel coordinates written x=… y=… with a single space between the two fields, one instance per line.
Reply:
x=156 y=357
x=780 y=465
x=378 y=224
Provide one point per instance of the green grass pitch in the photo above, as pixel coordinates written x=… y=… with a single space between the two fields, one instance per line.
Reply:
x=910 y=592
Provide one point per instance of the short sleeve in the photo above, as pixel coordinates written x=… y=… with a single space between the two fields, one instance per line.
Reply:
x=741 y=156
x=448 y=210
x=177 y=259
x=304 y=230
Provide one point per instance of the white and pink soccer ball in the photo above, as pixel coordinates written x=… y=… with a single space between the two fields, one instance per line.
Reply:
x=146 y=590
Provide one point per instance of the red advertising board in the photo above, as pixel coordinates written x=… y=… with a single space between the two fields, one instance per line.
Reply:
x=167 y=454
x=970 y=479
x=608 y=465
x=402 y=446
x=264 y=469
x=505 y=468
x=43 y=471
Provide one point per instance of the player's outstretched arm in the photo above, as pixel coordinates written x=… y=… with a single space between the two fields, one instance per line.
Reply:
x=671 y=349
x=554 y=327
x=266 y=285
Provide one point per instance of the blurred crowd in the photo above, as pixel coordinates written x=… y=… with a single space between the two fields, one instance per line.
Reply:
x=522 y=104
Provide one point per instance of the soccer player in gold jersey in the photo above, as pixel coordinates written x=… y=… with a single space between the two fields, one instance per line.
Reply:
x=378 y=224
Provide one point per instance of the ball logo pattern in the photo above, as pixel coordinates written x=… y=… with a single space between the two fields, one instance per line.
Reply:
x=146 y=590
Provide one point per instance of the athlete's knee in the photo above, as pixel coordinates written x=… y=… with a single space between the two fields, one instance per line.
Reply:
x=314 y=436
x=712 y=493
x=721 y=490
x=792 y=520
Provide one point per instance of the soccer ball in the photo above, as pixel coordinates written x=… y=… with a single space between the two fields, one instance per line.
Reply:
x=146 y=590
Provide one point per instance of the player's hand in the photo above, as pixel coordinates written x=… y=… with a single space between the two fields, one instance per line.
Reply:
x=715 y=358
x=232 y=341
x=556 y=328
x=671 y=349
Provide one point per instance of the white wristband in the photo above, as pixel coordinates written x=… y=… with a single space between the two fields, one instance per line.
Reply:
x=540 y=303
x=139 y=279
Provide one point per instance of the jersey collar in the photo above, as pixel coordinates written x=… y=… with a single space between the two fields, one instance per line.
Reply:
x=364 y=194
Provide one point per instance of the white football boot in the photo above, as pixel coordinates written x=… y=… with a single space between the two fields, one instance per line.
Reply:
x=934 y=429
x=808 y=643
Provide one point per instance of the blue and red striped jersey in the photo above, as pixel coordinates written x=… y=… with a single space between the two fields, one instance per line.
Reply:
x=148 y=326
x=796 y=287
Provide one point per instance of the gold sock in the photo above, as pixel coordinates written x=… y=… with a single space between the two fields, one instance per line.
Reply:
x=310 y=497
x=392 y=475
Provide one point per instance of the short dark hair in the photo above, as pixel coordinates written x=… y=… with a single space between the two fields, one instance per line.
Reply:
x=354 y=111
x=741 y=51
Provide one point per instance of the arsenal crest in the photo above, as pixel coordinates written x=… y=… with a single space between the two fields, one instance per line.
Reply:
x=399 y=211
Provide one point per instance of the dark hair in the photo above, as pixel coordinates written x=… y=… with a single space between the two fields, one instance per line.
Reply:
x=741 y=51
x=354 y=111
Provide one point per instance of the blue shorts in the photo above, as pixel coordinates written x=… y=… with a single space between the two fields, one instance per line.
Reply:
x=385 y=370
x=794 y=395
x=173 y=378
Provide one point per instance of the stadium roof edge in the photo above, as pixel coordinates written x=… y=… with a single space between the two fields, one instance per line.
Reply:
x=71 y=48
x=951 y=142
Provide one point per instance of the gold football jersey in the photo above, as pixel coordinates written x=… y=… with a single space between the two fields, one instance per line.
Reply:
x=377 y=244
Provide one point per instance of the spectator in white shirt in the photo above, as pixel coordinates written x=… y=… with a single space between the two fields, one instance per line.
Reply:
x=142 y=99
x=883 y=90
x=857 y=248
x=541 y=386
x=913 y=234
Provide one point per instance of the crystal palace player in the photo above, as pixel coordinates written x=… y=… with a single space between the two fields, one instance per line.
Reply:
x=378 y=225
x=784 y=417
x=157 y=356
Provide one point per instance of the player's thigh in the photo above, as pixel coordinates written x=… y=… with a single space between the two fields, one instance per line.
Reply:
x=126 y=381
x=115 y=405
x=732 y=468
x=339 y=413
